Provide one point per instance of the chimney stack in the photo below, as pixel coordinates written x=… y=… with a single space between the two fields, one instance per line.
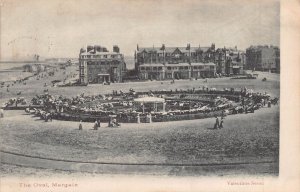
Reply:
x=116 y=49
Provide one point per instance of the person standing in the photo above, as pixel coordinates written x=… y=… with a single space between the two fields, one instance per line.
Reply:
x=221 y=123
x=99 y=123
x=138 y=118
x=150 y=118
x=216 y=123
x=80 y=125
x=96 y=125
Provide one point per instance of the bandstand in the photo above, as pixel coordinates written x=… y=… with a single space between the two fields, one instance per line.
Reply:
x=157 y=104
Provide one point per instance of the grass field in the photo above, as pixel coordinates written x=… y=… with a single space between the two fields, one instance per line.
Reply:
x=246 y=137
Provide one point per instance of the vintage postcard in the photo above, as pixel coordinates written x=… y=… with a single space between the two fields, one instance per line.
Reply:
x=171 y=95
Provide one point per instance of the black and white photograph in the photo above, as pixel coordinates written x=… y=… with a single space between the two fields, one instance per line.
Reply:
x=154 y=89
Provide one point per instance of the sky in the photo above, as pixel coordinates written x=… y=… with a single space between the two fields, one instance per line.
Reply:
x=59 y=28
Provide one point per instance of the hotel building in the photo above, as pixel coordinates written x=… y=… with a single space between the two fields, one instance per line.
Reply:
x=175 y=62
x=187 y=62
x=98 y=65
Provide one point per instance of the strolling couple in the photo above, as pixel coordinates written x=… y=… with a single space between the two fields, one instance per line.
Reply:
x=219 y=124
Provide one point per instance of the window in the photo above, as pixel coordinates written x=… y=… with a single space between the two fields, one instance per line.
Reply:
x=180 y=67
x=169 y=68
x=142 y=68
x=147 y=68
x=159 y=68
x=212 y=67
x=186 y=67
x=154 y=68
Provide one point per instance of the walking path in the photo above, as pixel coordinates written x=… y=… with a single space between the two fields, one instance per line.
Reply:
x=260 y=167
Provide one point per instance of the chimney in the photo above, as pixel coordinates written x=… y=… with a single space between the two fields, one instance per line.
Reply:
x=188 y=46
x=213 y=46
x=116 y=49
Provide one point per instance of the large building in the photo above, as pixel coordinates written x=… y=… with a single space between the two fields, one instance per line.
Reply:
x=98 y=65
x=174 y=62
x=230 y=60
x=186 y=62
x=264 y=58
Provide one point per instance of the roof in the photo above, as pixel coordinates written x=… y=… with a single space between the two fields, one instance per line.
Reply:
x=149 y=100
x=172 y=49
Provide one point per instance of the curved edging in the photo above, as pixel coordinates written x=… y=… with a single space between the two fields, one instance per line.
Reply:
x=139 y=164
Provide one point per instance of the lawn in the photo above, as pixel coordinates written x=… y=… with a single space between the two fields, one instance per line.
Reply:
x=245 y=138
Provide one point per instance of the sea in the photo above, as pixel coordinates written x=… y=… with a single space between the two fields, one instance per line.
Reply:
x=11 y=65
x=4 y=66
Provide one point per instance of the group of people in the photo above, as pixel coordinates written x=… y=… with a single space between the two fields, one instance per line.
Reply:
x=97 y=124
x=219 y=123
x=111 y=123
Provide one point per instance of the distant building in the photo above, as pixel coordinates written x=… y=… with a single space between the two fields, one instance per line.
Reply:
x=187 y=62
x=98 y=65
x=264 y=58
x=175 y=62
x=230 y=60
x=34 y=68
x=60 y=60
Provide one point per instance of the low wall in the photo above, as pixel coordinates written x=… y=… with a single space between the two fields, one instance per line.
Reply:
x=133 y=119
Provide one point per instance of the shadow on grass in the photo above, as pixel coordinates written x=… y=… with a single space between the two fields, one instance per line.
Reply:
x=211 y=128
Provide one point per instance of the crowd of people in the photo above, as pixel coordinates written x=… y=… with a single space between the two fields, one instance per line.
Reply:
x=180 y=104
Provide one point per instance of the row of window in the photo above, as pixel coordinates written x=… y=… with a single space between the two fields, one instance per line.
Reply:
x=176 y=68
x=148 y=68
x=102 y=63
x=172 y=54
x=101 y=56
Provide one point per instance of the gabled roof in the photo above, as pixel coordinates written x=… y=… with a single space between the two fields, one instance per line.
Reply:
x=172 y=49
